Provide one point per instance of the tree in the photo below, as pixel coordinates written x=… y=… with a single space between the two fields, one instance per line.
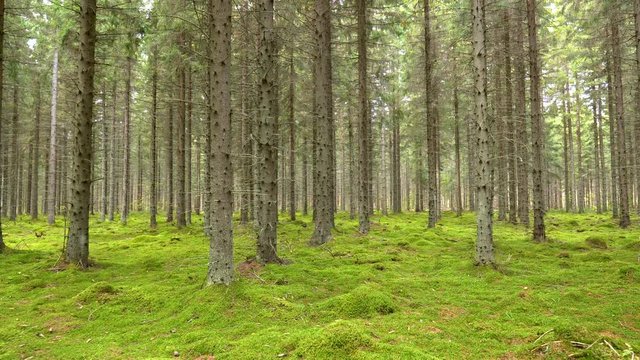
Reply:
x=364 y=123
x=323 y=177
x=484 y=242
x=153 y=201
x=77 y=248
x=219 y=117
x=431 y=120
x=35 y=170
x=126 y=171
x=537 y=126
x=2 y=244
x=51 y=206
x=521 y=137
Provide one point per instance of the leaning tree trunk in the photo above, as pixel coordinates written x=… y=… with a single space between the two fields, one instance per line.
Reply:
x=323 y=198
x=219 y=117
x=623 y=175
x=484 y=242
x=77 y=249
x=51 y=206
x=364 y=124
x=537 y=125
x=267 y=186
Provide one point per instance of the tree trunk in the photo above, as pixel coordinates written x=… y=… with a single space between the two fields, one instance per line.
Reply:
x=581 y=175
x=113 y=204
x=77 y=249
x=35 y=168
x=126 y=176
x=364 y=123
x=14 y=165
x=432 y=137
x=2 y=244
x=219 y=117
x=605 y=188
x=510 y=125
x=484 y=242
x=105 y=157
x=623 y=175
x=169 y=154
x=323 y=198
x=537 y=125
x=456 y=119
x=153 y=192
x=636 y=9
x=51 y=206
x=596 y=153
x=181 y=220
x=522 y=136
x=267 y=140
x=188 y=143
x=292 y=139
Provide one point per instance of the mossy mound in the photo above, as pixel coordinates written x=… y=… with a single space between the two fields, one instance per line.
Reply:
x=630 y=273
x=341 y=339
x=362 y=302
x=99 y=292
x=633 y=246
x=596 y=242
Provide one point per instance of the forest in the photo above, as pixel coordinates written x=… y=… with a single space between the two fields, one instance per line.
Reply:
x=319 y=179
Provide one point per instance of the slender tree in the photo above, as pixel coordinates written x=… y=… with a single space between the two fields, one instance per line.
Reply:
x=2 y=244
x=537 y=125
x=521 y=137
x=153 y=192
x=364 y=123
x=126 y=171
x=51 y=206
x=292 y=138
x=431 y=120
x=77 y=248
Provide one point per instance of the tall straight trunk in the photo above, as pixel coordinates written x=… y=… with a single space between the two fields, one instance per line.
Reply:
x=188 y=166
x=636 y=11
x=471 y=160
x=484 y=242
x=510 y=126
x=105 y=157
x=499 y=122
x=29 y=183
x=267 y=140
x=596 y=152
x=323 y=179
x=245 y=128
x=51 y=206
x=431 y=120
x=581 y=175
x=396 y=198
x=35 y=168
x=113 y=203
x=364 y=123
x=613 y=141
x=292 y=138
x=623 y=177
x=382 y=173
x=603 y=167
x=537 y=125
x=126 y=171
x=521 y=137
x=568 y=197
x=139 y=176
x=305 y=177
x=77 y=249
x=219 y=116
x=181 y=219
x=456 y=119
x=571 y=193
x=169 y=163
x=14 y=165
x=2 y=244
x=153 y=192
x=353 y=189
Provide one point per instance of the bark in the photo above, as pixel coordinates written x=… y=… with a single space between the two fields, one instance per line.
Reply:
x=623 y=177
x=581 y=174
x=14 y=165
x=153 y=192
x=364 y=123
x=522 y=137
x=484 y=242
x=113 y=204
x=35 y=167
x=169 y=163
x=456 y=119
x=596 y=152
x=51 y=205
x=267 y=186
x=77 y=249
x=603 y=167
x=181 y=219
x=292 y=139
x=219 y=116
x=105 y=157
x=510 y=125
x=245 y=129
x=189 y=143
x=2 y=244
x=537 y=125
x=431 y=121
x=324 y=201
x=139 y=176
x=613 y=141
x=126 y=171
x=636 y=9
x=305 y=178
x=568 y=193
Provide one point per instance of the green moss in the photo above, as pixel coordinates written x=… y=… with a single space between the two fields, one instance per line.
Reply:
x=341 y=339
x=99 y=292
x=362 y=302
x=596 y=242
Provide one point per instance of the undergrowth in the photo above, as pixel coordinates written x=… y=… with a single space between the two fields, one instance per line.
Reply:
x=401 y=292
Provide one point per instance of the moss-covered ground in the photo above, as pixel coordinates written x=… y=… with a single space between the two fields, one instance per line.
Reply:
x=402 y=292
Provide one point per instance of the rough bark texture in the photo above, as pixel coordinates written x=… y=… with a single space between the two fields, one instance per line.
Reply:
x=323 y=198
x=181 y=219
x=456 y=119
x=35 y=167
x=636 y=9
x=537 y=125
x=581 y=175
x=153 y=192
x=596 y=152
x=431 y=119
x=267 y=179
x=126 y=137
x=2 y=245
x=219 y=116
x=292 y=138
x=51 y=205
x=484 y=242
x=613 y=141
x=169 y=164
x=621 y=147
x=77 y=248
x=105 y=157
x=510 y=125
x=364 y=123
x=522 y=136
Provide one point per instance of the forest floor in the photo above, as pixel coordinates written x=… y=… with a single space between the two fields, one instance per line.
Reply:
x=402 y=292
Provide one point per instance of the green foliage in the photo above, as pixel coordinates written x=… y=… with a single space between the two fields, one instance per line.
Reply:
x=401 y=292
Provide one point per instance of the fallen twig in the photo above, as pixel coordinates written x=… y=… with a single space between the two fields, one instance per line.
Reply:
x=541 y=336
x=611 y=347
